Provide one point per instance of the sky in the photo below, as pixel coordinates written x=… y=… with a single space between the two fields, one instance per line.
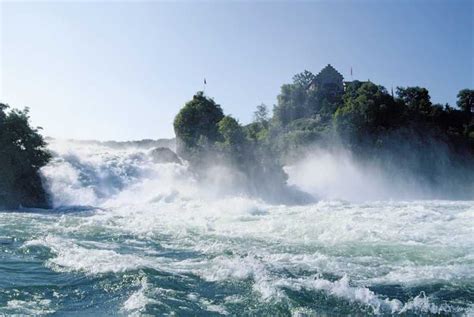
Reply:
x=111 y=70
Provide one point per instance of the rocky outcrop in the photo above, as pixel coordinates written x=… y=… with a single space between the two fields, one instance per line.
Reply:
x=164 y=155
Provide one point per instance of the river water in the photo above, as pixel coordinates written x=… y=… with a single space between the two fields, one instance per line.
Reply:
x=131 y=237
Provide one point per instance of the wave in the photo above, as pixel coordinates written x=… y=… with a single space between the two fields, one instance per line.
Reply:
x=150 y=220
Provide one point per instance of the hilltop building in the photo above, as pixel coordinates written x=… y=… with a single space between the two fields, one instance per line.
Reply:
x=328 y=79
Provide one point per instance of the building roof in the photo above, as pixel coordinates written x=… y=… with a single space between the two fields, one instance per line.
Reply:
x=328 y=71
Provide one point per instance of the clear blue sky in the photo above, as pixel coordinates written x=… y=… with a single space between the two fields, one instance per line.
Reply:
x=122 y=70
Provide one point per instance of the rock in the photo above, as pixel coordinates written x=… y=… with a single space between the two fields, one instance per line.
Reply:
x=164 y=155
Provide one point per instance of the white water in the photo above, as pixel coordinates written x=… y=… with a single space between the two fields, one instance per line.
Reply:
x=342 y=249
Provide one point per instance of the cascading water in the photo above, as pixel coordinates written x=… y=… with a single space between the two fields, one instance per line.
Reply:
x=131 y=237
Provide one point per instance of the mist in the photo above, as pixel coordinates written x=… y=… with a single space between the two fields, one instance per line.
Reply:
x=336 y=173
x=217 y=225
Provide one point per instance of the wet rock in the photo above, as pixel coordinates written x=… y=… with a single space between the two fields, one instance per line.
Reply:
x=164 y=155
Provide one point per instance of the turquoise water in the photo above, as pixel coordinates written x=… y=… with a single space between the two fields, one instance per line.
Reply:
x=128 y=237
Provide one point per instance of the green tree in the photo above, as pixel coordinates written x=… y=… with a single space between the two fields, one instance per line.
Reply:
x=196 y=126
x=303 y=79
x=417 y=99
x=466 y=100
x=323 y=102
x=22 y=154
x=366 y=107
x=261 y=115
x=257 y=131
x=298 y=100
x=291 y=104
x=201 y=125
x=232 y=135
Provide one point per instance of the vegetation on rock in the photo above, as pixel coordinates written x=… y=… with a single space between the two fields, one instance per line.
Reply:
x=22 y=154
x=403 y=129
x=206 y=138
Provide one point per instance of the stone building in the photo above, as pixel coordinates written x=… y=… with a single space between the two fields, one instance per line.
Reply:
x=328 y=79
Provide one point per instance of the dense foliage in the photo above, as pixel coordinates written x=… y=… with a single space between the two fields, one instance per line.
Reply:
x=22 y=154
x=403 y=129
x=207 y=138
x=364 y=115
x=196 y=126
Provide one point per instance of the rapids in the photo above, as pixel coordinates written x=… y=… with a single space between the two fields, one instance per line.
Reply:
x=131 y=237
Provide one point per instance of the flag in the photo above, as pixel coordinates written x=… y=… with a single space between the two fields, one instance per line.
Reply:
x=205 y=81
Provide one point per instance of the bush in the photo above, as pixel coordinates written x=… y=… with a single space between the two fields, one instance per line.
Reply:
x=196 y=127
x=22 y=154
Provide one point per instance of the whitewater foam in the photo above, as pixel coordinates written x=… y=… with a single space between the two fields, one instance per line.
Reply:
x=156 y=223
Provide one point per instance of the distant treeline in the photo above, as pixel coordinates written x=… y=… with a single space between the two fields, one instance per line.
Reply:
x=142 y=144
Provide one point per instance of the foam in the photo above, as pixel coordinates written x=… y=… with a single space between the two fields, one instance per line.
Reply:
x=236 y=238
x=36 y=307
x=70 y=257
x=137 y=301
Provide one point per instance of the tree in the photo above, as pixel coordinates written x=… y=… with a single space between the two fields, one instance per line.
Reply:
x=291 y=104
x=261 y=114
x=367 y=107
x=299 y=100
x=22 y=154
x=293 y=99
x=303 y=79
x=417 y=99
x=466 y=100
x=202 y=129
x=195 y=125
x=232 y=135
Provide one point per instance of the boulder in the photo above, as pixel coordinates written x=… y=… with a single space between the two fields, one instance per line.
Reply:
x=164 y=155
